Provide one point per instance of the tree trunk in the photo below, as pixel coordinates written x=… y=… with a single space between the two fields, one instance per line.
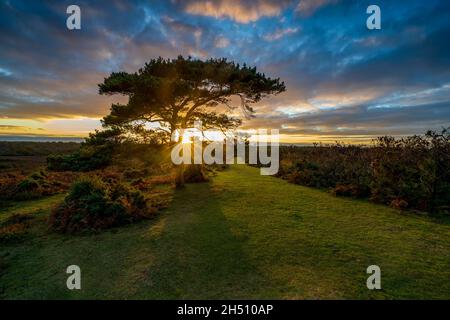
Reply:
x=179 y=179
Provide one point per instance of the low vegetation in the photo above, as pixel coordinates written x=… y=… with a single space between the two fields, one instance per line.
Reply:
x=14 y=227
x=411 y=172
x=93 y=204
x=17 y=187
x=290 y=241
x=25 y=148
x=87 y=158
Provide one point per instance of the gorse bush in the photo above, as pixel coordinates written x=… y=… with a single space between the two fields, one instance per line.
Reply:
x=93 y=204
x=28 y=185
x=86 y=159
x=411 y=172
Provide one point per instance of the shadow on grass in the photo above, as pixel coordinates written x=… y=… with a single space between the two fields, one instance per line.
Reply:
x=197 y=255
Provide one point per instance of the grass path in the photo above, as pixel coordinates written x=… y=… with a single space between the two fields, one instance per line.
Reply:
x=37 y=207
x=240 y=236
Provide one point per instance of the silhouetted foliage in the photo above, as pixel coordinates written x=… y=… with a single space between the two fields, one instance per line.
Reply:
x=94 y=153
x=174 y=93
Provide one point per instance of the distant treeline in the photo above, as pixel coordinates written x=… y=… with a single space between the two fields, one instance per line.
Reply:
x=412 y=172
x=22 y=148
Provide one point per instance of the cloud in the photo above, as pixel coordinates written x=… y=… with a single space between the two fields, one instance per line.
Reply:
x=280 y=33
x=13 y=129
x=360 y=120
x=180 y=26
x=308 y=7
x=241 y=11
x=221 y=42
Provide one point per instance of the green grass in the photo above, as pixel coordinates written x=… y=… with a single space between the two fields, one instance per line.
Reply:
x=38 y=207
x=240 y=236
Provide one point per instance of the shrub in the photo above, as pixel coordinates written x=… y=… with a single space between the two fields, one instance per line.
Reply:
x=399 y=204
x=301 y=177
x=194 y=173
x=27 y=189
x=140 y=184
x=351 y=190
x=27 y=185
x=88 y=158
x=36 y=185
x=93 y=205
x=38 y=176
x=134 y=173
x=344 y=190
x=414 y=169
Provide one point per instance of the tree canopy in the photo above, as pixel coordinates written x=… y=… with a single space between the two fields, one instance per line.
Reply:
x=173 y=93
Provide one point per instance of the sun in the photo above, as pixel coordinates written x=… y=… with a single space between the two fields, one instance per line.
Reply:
x=189 y=134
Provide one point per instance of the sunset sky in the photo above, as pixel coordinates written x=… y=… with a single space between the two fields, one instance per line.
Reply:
x=344 y=82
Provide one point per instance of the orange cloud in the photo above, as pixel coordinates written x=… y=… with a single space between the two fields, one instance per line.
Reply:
x=238 y=10
x=13 y=129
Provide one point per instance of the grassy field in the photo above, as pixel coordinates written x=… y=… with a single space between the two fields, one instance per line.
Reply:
x=240 y=236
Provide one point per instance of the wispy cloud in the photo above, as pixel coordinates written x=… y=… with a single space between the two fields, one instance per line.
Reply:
x=308 y=7
x=221 y=42
x=280 y=33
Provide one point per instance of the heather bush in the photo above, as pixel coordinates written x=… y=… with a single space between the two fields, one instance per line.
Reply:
x=93 y=204
x=411 y=172
x=18 y=187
